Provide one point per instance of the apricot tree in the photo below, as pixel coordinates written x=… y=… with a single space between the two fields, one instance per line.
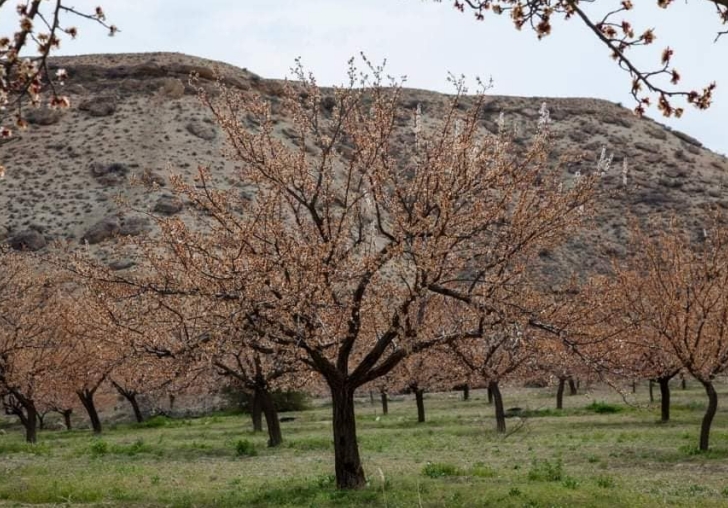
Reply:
x=348 y=233
x=613 y=28
x=353 y=249
x=28 y=338
x=675 y=294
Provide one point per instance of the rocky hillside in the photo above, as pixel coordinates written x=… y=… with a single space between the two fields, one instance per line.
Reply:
x=136 y=115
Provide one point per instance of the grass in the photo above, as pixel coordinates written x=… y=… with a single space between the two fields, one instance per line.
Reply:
x=584 y=455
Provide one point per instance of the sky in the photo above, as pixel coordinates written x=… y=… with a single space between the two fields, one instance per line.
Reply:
x=423 y=40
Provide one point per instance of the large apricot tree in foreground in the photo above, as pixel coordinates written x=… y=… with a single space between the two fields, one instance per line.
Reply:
x=338 y=255
x=675 y=293
x=613 y=28
x=349 y=233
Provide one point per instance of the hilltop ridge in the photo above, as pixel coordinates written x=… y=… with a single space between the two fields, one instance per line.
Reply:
x=137 y=114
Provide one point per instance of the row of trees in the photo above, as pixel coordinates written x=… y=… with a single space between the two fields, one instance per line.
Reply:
x=57 y=349
x=364 y=256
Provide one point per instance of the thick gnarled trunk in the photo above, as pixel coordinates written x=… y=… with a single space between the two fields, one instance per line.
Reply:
x=349 y=472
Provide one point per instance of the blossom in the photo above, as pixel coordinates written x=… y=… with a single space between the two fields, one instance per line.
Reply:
x=544 y=116
x=61 y=75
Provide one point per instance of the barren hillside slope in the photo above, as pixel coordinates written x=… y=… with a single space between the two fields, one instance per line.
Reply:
x=137 y=115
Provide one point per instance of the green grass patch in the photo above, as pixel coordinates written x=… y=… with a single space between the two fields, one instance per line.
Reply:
x=23 y=447
x=546 y=471
x=244 y=448
x=440 y=469
x=572 y=458
x=603 y=408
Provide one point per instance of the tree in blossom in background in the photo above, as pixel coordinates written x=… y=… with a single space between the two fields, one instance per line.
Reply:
x=675 y=293
x=434 y=370
x=28 y=338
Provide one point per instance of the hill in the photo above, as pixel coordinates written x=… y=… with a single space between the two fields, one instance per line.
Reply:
x=136 y=115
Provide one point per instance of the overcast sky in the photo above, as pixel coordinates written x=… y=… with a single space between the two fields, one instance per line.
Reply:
x=423 y=40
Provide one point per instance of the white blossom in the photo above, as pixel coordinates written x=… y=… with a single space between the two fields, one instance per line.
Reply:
x=604 y=162
x=501 y=123
x=544 y=116
x=417 y=127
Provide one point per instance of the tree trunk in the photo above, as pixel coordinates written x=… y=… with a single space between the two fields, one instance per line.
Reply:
x=490 y=395
x=466 y=392
x=420 y=398
x=87 y=399
x=26 y=412
x=371 y=397
x=275 y=437
x=709 y=414
x=634 y=386
x=67 y=418
x=664 y=383
x=41 y=420
x=500 y=415
x=573 y=390
x=31 y=423
x=652 y=391
x=683 y=382
x=28 y=416
x=135 y=406
x=385 y=406
x=349 y=473
x=256 y=412
x=560 y=394
x=131 y=396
